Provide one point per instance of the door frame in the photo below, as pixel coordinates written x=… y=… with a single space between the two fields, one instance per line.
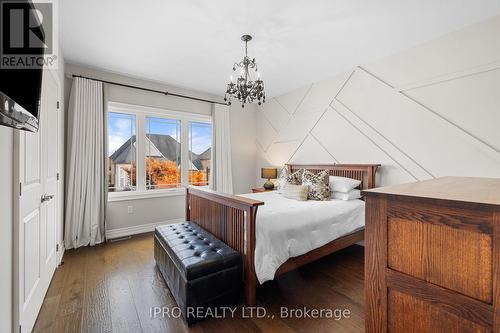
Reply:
x=16 y=241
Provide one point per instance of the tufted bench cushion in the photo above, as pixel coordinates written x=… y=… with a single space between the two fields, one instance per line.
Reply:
x=199 y=269
x=195 y=251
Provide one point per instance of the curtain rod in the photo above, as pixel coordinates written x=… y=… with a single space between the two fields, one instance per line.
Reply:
x=166 y=93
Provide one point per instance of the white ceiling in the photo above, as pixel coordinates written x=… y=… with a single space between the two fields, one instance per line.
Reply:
x=194 y=43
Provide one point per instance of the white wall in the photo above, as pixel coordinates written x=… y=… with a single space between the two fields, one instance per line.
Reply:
x=243 y=150
x=426 y=112
x=158 y=210
x=6 y=223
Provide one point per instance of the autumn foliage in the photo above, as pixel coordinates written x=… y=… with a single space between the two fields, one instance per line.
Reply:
x=166 y=174
x=197 y=178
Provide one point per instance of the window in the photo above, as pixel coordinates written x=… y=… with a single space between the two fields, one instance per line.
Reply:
x=200 y=153
x=163 y=153
x=121 y=152
x=155 y=152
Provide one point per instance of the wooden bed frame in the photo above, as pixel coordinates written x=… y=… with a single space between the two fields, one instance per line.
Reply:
x=232 y=219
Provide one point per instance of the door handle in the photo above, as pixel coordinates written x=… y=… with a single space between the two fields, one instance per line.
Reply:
x=47 y=197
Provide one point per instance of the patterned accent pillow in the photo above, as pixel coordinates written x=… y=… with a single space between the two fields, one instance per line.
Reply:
x=318 y=184
x=285 y=177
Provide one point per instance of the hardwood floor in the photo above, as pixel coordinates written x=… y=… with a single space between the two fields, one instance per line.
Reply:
x=112 y=288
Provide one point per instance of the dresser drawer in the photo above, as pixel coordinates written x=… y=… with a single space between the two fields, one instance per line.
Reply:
x=412 y=314
x=451 y=248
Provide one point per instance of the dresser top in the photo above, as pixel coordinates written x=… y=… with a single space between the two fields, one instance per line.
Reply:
x=464 y=189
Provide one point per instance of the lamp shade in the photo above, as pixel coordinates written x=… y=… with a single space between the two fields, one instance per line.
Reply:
x=269 y=173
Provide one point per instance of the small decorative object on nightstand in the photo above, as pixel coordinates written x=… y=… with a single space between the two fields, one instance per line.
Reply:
x=269 y=173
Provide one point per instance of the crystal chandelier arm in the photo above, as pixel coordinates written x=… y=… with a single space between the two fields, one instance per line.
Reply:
x=252 y=63
x=238 y=64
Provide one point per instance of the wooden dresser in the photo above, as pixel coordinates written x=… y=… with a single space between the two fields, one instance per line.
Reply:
x=432 y=257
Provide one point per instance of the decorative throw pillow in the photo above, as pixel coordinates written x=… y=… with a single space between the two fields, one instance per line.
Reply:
x=286 y=177
x=284 y=173
x=318 y=185
x=295 y=192
x=296 y=177
x=343 y=184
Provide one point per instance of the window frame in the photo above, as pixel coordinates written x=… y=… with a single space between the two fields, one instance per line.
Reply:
x=107 y=149
x=190 y=142
x=141 y=112
x=180 y=153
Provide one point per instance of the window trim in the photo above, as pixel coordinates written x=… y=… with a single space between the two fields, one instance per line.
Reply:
x=136 y=195
x=141 y=112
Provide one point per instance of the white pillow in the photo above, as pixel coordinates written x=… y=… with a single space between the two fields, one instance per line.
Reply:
x=351 y=195
x=295 y=192
x=343 y=184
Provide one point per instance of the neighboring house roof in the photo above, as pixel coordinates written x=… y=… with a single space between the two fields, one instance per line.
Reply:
x=122 y=155
x=166 y=144
x=206 y=155
x=157 y=145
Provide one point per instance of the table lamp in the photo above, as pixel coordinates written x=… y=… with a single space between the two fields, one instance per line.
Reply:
x=269 y=173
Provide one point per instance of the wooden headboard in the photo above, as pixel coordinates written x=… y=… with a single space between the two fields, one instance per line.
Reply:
x=363 y=172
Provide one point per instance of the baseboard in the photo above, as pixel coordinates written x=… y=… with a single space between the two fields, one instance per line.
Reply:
x=138 y=229
x=61 y=256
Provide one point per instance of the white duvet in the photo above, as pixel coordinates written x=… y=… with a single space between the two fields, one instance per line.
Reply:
x=287 y=228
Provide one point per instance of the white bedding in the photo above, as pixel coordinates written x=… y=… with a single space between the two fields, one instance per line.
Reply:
x=287 y=228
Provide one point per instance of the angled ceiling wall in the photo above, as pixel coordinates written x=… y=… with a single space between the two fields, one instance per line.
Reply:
x=430 y=111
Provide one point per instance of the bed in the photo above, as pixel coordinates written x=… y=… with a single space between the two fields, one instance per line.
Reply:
x=282 y=234
x=287 y=228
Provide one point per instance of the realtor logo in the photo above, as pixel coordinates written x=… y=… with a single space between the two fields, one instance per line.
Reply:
x=28 y=34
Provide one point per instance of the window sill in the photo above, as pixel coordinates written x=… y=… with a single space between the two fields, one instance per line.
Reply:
x=127 y=196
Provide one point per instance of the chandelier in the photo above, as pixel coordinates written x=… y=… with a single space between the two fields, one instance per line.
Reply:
x=244 y=89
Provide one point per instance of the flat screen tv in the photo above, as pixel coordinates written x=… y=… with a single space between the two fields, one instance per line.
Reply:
x=20 y=91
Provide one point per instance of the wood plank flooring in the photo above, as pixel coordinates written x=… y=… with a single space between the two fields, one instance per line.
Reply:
x=112 y=287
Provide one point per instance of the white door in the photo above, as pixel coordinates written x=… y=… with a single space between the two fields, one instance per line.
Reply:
x=38 y=211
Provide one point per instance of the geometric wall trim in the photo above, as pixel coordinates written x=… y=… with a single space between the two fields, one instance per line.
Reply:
x=464 y=51
x=445 y=127
x=299 y=126
x=291 y=101
x=399 y=157
x=321 y=94
x=312 y=150
x=348 y=144
x=277 y=115
x=265 y=131
x=470 y=108
x=433 y=143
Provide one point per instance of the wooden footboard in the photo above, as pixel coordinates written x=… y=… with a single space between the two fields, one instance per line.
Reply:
x=231 y=219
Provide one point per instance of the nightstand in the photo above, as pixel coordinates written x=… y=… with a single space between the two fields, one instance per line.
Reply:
x=261 y=189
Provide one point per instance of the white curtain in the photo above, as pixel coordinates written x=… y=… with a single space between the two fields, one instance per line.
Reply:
x=221 y=175
x=86 y=190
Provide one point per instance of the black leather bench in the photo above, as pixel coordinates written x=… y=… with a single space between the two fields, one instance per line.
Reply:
x=199 y=269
